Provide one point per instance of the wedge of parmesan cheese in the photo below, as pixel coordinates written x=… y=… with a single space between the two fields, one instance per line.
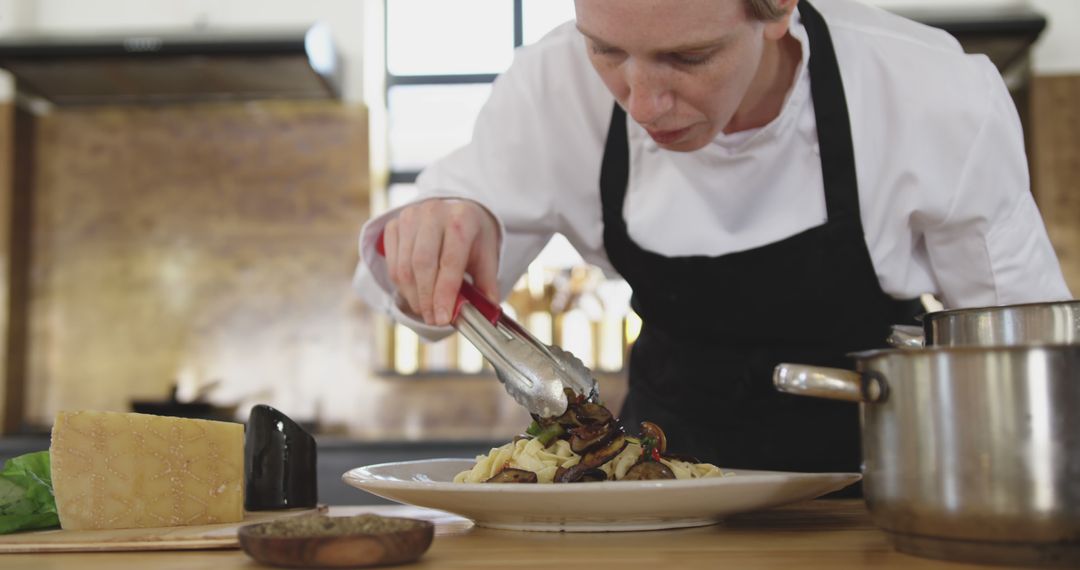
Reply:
x=117 y=470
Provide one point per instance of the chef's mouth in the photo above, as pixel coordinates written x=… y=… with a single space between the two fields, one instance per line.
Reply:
x=667 y=137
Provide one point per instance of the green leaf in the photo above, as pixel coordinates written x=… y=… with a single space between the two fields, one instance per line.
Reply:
x=26 y=494
x=550 y=434
x=14 y=523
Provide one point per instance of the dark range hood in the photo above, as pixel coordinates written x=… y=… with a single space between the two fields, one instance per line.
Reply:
x=1004 y=34
x=174 y=67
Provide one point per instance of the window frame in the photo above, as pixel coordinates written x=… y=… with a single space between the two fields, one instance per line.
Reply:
x=390 y=80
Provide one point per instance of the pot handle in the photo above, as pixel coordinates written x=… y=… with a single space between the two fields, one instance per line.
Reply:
x=831 y=383
x=907 y=336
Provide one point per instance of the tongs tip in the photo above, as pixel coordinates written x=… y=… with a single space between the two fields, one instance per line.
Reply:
x=533 y=372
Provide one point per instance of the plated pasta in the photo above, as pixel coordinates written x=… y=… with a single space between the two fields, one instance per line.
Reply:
x=584 y=444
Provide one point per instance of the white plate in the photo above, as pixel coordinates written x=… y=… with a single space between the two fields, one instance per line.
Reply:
x=590 y=507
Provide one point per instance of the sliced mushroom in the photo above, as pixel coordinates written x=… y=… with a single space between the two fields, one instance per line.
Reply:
x=593 y=476
x=512 y=475
x=572 y=396
x=605 y=453
x=573 y=474
x=590 y=413
x=583 y=413
x=568 y=419
x=648 y=470
x=649 y=429
x=594 y=459
x=584 y=438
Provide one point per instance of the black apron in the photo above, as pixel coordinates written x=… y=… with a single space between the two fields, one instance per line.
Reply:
x=715 y=327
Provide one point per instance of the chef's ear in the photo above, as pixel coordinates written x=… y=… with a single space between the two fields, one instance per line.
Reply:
x=778 y=28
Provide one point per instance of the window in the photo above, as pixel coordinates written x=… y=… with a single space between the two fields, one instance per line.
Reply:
x=440 y=60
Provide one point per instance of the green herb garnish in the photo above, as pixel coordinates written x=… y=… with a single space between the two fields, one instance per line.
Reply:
x=648 y=446
x=545 y=434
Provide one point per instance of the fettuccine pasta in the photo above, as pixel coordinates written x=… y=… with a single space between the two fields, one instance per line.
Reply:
x=531 y=455
x=585 y=443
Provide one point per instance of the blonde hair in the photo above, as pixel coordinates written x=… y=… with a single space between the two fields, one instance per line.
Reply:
x=764 y=10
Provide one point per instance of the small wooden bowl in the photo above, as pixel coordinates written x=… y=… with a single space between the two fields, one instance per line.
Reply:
x=337 y=542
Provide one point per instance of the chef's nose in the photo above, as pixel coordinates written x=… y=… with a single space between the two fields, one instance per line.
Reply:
x=650 y=97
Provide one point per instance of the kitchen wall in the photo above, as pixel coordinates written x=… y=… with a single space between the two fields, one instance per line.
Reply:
x=1055 y=166
x=1055 y=112
x=202 y=243
x=193 y=243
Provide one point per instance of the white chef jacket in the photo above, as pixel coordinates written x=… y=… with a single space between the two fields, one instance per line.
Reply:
x=943 y=182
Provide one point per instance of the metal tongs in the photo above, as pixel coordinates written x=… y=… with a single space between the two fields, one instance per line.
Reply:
x=534 y=373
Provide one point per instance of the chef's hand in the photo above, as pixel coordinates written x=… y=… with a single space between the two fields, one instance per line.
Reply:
x=431 y=245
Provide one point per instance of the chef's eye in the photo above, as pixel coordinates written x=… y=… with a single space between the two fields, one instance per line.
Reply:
x=603 y=50
x=692 y=58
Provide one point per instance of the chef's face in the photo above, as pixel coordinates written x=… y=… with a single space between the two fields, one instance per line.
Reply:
x=682 y=69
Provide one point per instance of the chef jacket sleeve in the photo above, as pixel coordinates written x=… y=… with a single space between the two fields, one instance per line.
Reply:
x=502 y=169
x=992 y=248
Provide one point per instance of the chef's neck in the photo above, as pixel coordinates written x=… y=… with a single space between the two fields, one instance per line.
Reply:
x=768 y=90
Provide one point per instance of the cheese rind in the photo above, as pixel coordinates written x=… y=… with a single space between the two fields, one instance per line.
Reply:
x=119 y=470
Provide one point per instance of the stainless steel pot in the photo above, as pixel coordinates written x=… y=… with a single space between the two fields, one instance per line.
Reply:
x=969 y=453
x=1005 y=325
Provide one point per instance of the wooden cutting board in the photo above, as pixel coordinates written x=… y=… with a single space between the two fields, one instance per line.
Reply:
x=197 y=537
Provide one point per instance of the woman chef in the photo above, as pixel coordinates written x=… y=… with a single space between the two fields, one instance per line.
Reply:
x=776 y=180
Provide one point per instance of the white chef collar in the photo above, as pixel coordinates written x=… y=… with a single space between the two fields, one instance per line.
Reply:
x=797 y=96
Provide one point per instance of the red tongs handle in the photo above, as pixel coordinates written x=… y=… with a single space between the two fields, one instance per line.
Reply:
x=467 y=294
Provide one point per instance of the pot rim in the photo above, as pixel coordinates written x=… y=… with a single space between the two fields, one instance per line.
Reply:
x=991 y=309
x=934 y=350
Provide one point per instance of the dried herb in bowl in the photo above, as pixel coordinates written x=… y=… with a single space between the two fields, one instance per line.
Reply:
x=319 y=525
x=337 y=542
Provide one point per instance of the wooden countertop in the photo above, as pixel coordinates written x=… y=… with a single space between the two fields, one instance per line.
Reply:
x=811 y=535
